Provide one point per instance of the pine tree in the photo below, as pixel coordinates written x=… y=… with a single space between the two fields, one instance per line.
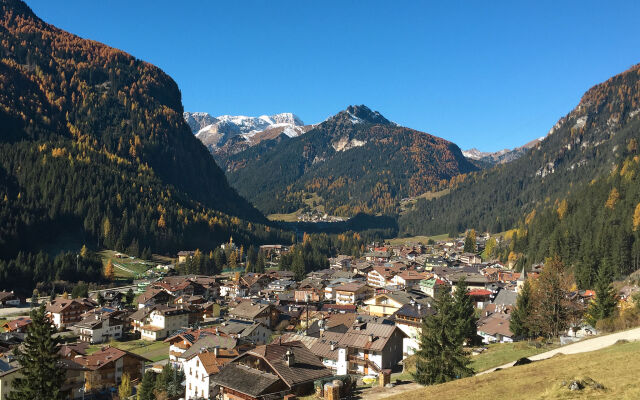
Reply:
x=441 y=357
x=298 y=267
x=520 y=325
x=129 y=296
x=470 y=242
x=41 y=377
x=605 y=302
x=464 y=313
x=260 y=264
x=124 y=390
x=145 y=390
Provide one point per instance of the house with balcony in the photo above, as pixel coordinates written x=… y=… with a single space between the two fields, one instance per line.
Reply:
x=163 y=320
x=64 y=313
x=270 y=371
x=351 y=293
x=99 y=326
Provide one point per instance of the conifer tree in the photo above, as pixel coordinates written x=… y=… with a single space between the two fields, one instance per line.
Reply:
x=145 y=390
x=41 y=376
x=470 y=242
x=464 y=314
x=441 y=357
x=260 y=264
x=520 y=325
x=604 y=304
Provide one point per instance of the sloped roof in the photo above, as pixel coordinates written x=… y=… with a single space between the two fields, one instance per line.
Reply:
x=210 y=342
x=368 y=335
x=494 y=324
x=212 y=362
x=248 y=309
x=105 y=356
x=307 y=366
x=244 y=379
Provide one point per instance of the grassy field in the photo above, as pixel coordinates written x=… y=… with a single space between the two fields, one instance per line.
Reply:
x=615 y=367
x=502 y=353
x=291 y=217
x=155 y=351
x=416 y=239
x=125 y=267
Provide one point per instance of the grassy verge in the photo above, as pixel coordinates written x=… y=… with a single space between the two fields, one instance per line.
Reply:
x=502 y=353
x=615 y=367
x=416 y=239
x=155 y=351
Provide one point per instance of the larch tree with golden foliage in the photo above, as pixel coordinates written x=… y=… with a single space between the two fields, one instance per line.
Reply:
x=108 y=270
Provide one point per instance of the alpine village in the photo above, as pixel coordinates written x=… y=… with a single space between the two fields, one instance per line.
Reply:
x=148 y=252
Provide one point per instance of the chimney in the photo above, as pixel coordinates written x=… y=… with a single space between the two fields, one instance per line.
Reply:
x=289 y=358
x=371 y=337
x=215 y=351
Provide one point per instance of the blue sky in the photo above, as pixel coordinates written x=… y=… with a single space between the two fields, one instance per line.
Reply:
x=485 y=74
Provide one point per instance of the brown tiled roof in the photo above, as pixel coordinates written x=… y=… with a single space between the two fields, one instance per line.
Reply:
x=368 y=335
x=350 y=287
x=105 y=356
x=212 y=363
x=244 y=379
x=248 y=309
x=6 y=295
x=307 y=366
x=59 y=304
x=497 y=323
x=17 y=323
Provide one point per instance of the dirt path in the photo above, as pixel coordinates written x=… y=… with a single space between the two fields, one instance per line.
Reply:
x=583 y=346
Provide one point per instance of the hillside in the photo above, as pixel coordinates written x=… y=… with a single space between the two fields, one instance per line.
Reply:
x=94 y=149
x=614 y=367
x=355 y=161
x=585 y=144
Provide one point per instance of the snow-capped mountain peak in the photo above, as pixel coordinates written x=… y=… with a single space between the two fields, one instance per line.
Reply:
x=242 y=131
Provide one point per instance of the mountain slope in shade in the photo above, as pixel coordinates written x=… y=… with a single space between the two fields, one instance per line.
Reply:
x=94 y=145
x=355 y=161
x=585 y=144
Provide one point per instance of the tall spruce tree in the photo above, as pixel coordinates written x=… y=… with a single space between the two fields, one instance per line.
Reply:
x=604 y=304
x=464 y=312
x=41 y=376
x=470 y=242
x=145 y=390
x=520 y=325
x=441 y=357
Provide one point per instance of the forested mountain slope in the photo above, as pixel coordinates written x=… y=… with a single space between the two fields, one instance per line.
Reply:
x=93 y=144
x=355 y=161
x=585 y=144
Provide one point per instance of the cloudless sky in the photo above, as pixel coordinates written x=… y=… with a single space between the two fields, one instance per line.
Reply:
x=486 y=74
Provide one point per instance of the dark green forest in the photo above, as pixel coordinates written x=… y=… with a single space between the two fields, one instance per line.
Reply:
x=584 y=145
x=594 y=228
x=94 y=150
x=383 y=163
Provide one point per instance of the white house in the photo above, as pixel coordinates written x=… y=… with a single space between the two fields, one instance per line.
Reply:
x=163 y=320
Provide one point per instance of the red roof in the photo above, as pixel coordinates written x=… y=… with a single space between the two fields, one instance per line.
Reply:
x=479 y=292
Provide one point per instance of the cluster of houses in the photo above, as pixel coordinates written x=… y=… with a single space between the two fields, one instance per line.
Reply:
x=250 y=336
